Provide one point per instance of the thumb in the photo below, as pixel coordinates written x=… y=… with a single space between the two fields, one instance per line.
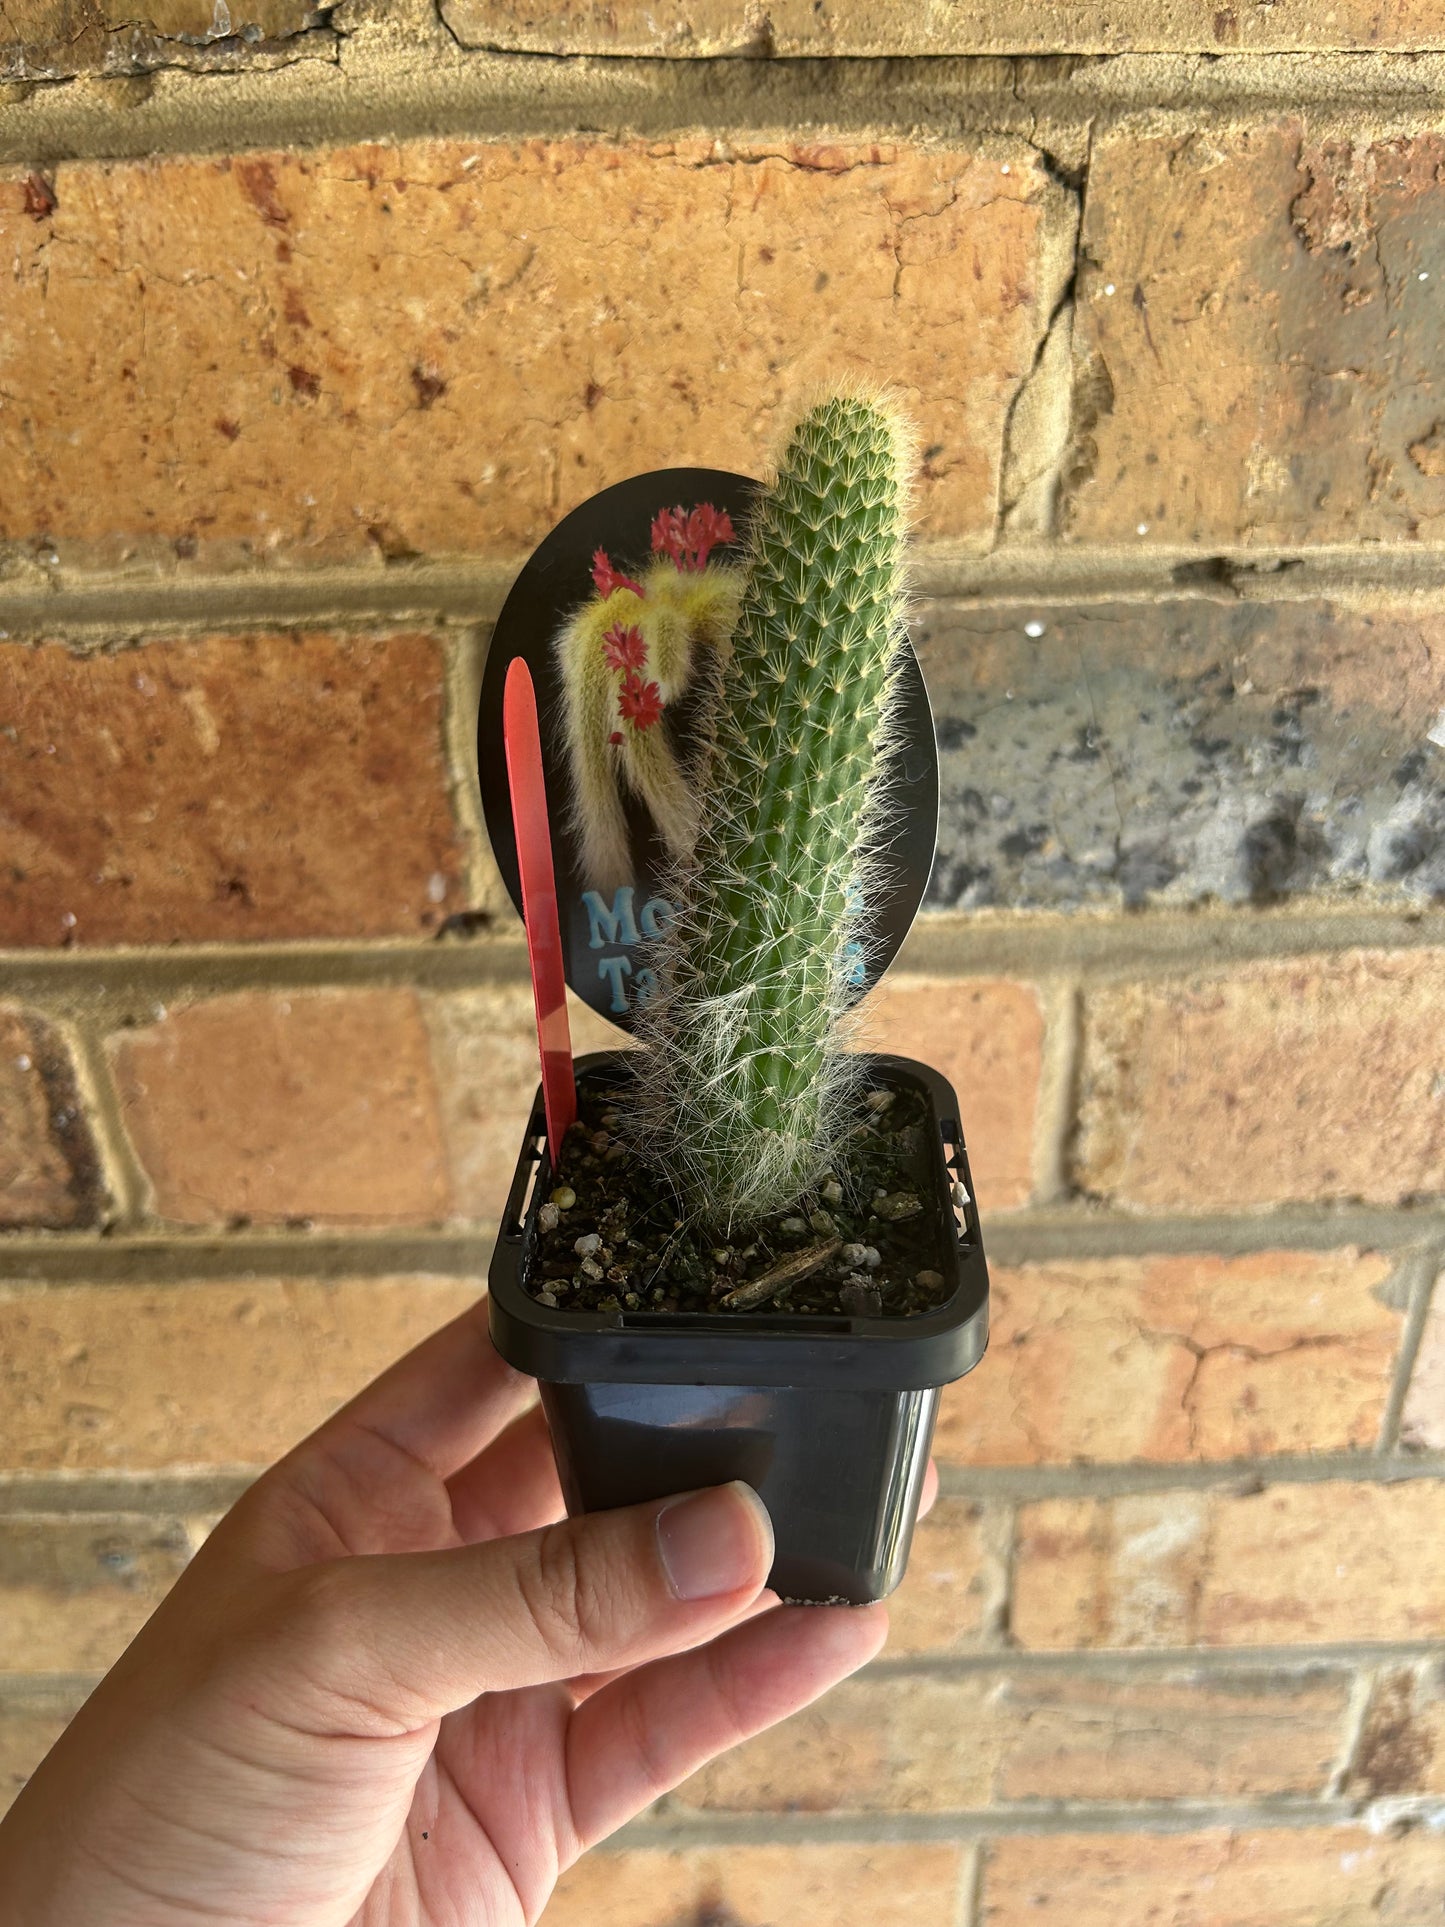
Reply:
x=414 y=1636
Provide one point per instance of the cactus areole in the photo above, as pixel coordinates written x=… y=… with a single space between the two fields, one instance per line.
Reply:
x=756 y=1254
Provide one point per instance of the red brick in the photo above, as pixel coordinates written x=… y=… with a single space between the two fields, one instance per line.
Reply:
x=952 y=1593
x=1401 y=1745
x=1303 y=1080
x=485 y=1048
x=379 y=350
x=1291 y=1565
x=74 y=1590
x=50 y=1176
x=701 y=28
x=1295 y=398
x=987 y=1038
x=917 y=1885
x=216 y=1375
x=1310 y=1877
x=1183 y=1358
x=43 y=40
x=895 y=1744
x=318 y=1106
x=232 y=788
x=1422 y=1423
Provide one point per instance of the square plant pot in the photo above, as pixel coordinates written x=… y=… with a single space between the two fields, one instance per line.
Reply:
x=828 y=1418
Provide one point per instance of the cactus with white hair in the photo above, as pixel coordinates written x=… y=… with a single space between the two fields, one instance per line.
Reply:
x=744 y=1096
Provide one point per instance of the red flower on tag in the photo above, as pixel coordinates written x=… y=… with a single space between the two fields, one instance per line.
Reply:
x=639 y=702
x=689 y=538
x=624 y=648
x=607 y=578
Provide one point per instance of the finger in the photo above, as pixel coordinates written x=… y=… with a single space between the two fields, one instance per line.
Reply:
x=930 y=1490
x=446 y=1399
x=409 y=1637
x=589 y=1683
x=511 y=1487
x=645 y=1733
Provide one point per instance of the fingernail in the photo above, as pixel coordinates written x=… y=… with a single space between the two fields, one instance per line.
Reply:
x=715 y=1542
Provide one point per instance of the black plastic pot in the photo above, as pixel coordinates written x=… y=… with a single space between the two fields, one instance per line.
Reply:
x=829 y=1419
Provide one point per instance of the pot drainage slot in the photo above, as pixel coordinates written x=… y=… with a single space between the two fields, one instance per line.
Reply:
x=960 y=1202
x=523 y=1194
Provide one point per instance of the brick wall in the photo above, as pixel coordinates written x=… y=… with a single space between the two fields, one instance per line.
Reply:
x=312 y=328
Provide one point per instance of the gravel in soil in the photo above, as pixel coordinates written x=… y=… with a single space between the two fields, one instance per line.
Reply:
x=863 y=1243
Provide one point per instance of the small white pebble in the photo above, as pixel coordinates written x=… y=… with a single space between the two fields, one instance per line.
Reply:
x=547 y=1298
x=852 y=1255
x=22 y=1063
x=564 y=1197
x=879 y=1100
x=1424 y=274
x=871 y=1257
x=587 y=1244
x=722 y=1256
x=1005 y=169
x=1142 y=529
x=832 y=1192
x=1108 y=287
x=929 y=1280
x=795 y=1227
x=960 y=1196
x=547 y=1217
x=1034 y=629
x=591 y=1268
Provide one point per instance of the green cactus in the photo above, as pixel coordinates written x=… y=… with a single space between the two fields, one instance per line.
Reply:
x=746 y=1092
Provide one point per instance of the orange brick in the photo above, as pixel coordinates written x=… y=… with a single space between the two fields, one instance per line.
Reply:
x=485 y=1048
x=231 y=788
x=216 y=1375
x=1182 y=1358
x=987 y=1038
x=1422 y=1424
x=844 y=1886
x=75 y=1590
x=1290 y=1565
x=699 y=28
x=318 y=1105
x=1293 y=400
x=1401 y=1746
x=443 y=346
x=1299 y=1080
x=953 y=1590
x=1311 y=1877
x=50 y=1176
x=46 y=41
x=33 y=1715
x=924 y=1744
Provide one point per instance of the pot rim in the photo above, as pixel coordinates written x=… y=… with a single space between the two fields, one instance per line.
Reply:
x=808 y=1348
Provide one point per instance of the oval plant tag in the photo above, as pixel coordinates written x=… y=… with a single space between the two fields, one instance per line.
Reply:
x=619 y=699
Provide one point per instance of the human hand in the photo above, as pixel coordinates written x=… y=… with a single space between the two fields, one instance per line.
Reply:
x=390 y=1689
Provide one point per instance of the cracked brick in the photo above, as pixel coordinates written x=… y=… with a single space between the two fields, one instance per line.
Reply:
x=702 y=29
x=591 y=308
x=40 y=40
x=1173 y=1359
x=1266 y=307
